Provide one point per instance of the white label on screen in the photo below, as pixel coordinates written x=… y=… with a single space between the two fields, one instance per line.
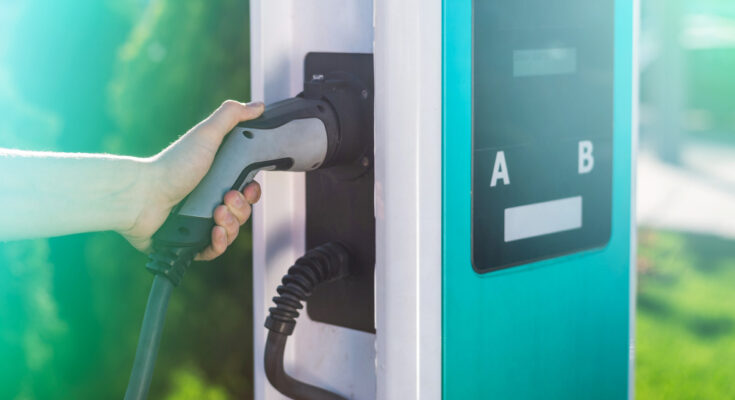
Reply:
x=544 y=62
x=545 y=218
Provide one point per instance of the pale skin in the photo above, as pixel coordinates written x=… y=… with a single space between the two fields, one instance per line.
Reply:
x=45 y=194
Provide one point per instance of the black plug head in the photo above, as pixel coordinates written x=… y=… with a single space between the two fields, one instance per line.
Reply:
x=350 y=146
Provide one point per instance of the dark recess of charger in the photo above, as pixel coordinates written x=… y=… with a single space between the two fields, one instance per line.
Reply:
x=339 y=200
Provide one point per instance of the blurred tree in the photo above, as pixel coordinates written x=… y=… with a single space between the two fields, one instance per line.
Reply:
x=31 y=326
x=124 y=77
x=179 y=63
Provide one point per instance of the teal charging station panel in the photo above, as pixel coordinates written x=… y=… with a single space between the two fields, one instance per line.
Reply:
x=537 y=232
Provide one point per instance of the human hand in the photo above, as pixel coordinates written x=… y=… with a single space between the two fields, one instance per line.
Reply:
x=176 y=171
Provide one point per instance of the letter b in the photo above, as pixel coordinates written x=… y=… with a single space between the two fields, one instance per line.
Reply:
x=586 y=160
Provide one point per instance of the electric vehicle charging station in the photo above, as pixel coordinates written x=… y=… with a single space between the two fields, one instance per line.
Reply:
x=502 y=200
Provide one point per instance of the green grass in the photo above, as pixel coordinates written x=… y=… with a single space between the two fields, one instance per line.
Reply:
x=685 y=334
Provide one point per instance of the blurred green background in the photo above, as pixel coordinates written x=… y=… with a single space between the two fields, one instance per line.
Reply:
x=685 y=325
x=129 y=76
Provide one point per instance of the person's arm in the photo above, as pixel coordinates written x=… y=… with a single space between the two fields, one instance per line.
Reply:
x=48 y=194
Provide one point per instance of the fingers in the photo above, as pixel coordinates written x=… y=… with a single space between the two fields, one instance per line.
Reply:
x=224 y=232
x=230 y=113
x=252 y=192
x=238 y=206
x=217 y=247
x=228 y=218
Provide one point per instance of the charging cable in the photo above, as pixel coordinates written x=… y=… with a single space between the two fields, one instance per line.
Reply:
x=325 y=263
x=169 y=267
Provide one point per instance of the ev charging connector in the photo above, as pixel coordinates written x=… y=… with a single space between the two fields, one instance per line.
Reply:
x=319 y=128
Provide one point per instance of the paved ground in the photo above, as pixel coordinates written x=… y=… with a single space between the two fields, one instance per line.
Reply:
x=697 y=196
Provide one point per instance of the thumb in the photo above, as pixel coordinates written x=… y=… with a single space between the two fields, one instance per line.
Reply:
x=229 y=114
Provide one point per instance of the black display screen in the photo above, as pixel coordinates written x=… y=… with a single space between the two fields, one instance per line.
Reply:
x=542 y=129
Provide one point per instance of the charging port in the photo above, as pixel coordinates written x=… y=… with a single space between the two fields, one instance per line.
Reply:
x=339 y=200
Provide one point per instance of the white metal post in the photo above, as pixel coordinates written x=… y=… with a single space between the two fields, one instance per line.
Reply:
x=408 y=143
x=403 y=361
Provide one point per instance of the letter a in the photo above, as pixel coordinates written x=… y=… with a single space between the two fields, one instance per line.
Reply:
x=500 y=170
x=586 y=160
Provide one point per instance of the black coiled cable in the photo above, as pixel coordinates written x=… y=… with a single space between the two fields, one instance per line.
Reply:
x=321 y=264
